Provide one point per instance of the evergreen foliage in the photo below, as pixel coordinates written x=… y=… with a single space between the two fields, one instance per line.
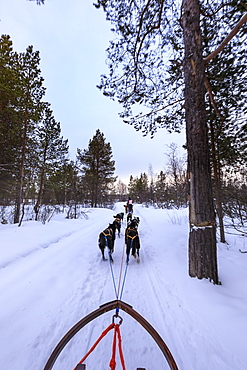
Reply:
x=52 y=152
x=98 y=168
x=10 y=141
x=33 y=155
x=30 y=142
x=30 y=93
x=138 y=188
x=61 y=185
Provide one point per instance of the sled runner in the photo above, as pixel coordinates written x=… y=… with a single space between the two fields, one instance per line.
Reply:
x=117 y=304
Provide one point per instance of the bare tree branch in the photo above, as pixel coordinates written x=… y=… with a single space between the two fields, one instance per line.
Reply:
x=235 y=30
x=154 y=111
x=205 y=14
x=138 y=39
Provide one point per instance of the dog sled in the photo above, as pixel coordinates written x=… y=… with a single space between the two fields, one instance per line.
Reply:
x=114 y=305
x=106 y=239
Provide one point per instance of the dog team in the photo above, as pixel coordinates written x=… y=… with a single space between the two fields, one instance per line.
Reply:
x=132 y=241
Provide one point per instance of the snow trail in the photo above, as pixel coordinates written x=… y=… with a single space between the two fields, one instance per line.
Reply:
x=55 y=276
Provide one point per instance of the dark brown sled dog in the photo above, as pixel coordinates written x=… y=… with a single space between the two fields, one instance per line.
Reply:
x=107 y=239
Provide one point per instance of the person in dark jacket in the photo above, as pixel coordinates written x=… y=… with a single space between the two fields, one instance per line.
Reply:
x=130 y=205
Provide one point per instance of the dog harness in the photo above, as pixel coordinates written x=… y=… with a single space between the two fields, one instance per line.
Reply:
x=110 y=232
x=132 y=237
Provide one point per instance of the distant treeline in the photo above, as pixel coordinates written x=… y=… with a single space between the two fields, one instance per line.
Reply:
x=35 y=169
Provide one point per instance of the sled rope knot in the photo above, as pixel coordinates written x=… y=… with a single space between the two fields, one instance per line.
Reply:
x=116 y=336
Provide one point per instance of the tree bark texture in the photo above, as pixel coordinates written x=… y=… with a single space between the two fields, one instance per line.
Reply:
x=40 y=193
x=202 y=238
x=19 y=196
x=41 y=185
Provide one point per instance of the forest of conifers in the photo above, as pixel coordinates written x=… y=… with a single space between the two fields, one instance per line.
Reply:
x=35 y=169
x=185 y=63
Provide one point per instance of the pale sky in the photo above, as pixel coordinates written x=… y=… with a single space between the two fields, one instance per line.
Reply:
x=72 y=37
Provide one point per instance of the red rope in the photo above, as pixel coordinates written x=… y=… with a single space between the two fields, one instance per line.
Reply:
x=120 y=349
x=116 y=336
x=113 y=359
x=96 y=343
x=112 y=363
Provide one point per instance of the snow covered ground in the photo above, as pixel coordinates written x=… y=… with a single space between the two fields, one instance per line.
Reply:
x=52 y=275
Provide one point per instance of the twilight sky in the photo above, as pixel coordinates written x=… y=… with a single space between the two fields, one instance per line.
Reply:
x=72 y=37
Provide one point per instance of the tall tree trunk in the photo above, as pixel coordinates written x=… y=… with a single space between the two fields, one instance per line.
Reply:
x=19 y=190
x=40 y=194
x=41 y=184
x=202 y=237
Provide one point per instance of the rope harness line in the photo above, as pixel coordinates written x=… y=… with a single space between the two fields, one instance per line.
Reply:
x=125 y=273
x=119 y=296
x=111 y=326
x=101 y=311
x=127 y=264
x=117 y=305
x=109 y=254
x=120 y=275
x=118 y=293
x=116 y=336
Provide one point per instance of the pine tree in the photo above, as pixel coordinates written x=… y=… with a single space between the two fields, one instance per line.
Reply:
x=9 y=125
x=97 y=168
x=138 y=188
x=30 y=139
x=61 y=187
x=202 y=237
x=30 y=92
x=161 y=191
x=52 y=151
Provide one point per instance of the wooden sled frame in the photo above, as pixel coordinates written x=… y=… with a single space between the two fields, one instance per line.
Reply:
x=117 y=304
